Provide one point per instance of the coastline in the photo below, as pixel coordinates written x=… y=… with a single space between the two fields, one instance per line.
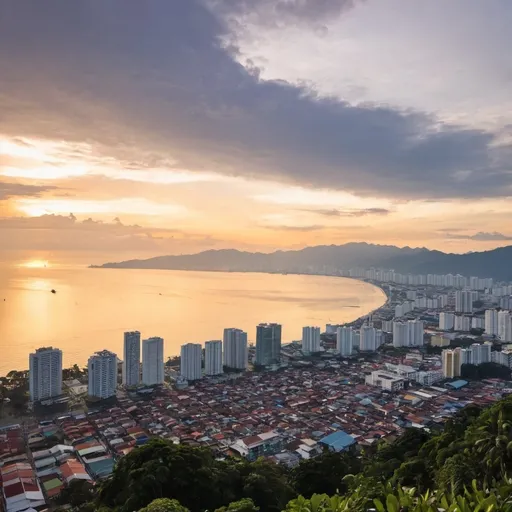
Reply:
x=345 y=303
x=364 y=280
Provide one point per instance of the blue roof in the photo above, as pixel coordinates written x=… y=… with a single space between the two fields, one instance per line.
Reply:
x=338 y=441
x=457 y=384
x=101 y=468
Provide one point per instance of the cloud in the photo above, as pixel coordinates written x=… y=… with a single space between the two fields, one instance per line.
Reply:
x=67 y=232
x=133 y=205
x=9 y=190
x=481 y=236
x=304 y=229
x=278 y=12
x=349 y=213
x=151 y=82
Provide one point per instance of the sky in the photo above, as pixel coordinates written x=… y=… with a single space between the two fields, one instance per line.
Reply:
x=137 y=129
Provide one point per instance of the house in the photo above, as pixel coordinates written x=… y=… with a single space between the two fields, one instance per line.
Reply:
x=337 y=441
x=268 y=443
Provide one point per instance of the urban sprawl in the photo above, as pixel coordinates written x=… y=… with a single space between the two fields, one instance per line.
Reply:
x=404 y=365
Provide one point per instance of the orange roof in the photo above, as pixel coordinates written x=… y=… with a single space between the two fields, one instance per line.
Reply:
x=72 y=467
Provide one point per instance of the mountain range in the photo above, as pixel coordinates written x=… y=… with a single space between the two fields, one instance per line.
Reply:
x=496 y=263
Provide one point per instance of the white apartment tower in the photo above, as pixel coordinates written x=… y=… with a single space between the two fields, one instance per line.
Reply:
x=213 y=357
x=153 y=361
x=480 y=353
x=462 y=323
x=368 y=341
x=310 y=340
x=446 y=321
x=235 y=349
x=505 y=325
x=45 y=374
x=491 y=322
x=400 y=334
x=345 y=341
x=191 y=356
x=102 y=368
x=131 y=359
x=416 y=333
x=464 y=301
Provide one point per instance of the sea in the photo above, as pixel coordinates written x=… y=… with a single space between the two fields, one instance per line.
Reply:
x=91 y=308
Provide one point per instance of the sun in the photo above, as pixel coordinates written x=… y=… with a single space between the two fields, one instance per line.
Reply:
x=34 y=264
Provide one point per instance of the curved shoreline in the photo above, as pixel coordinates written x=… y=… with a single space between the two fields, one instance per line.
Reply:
x=300 y=301
x=362 y=279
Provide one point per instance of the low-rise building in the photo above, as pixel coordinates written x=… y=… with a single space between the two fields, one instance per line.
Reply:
x=337 y=441
x=385 y=380
x=268 y=443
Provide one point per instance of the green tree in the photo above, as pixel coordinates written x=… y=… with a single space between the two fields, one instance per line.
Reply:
x=243 y=505
x=266 y=484
x=164 y=505
x=161 y=469
x=77 y=493
x=324 y=474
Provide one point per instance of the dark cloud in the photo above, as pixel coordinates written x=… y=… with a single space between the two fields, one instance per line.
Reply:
x=333 y=212
x=481 y=236
x=150 y=81
x=279 y=12
x=8 y=190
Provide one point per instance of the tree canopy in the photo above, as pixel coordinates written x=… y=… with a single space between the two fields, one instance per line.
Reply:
x=464 y=466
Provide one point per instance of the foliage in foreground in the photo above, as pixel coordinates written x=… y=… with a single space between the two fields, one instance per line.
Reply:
x=399 y=500
x=463 y=468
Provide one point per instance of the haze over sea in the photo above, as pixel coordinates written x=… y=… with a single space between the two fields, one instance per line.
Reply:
x=93 y=307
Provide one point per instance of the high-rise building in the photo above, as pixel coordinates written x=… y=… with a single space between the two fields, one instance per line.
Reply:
x=379 y=338
x=235 y=349
x=356 y=340
x=345 y=341
x=213 y=357
x=477 y=322
x=504 y=357
x=387 y=325
x=462 y=323
x=440 y=341
x=368 y=341
x=505 y=325
x=131 y=360
x=400 y=334
x=452 y=361
x=464 y=301
x=153 y=361
x=191 y=356
x=102 y=368
x=268 y=344
x=45 y=374
x=416 y=332
x=466 y=356
x=446 y=321
x=480 y=353
x=310 y=340
x=506 y=302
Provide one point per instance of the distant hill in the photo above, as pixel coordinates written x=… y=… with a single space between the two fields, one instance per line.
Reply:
x=496 y=263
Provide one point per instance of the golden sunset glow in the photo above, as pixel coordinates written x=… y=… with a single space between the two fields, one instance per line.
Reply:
x=300 y=137
x=35 y=264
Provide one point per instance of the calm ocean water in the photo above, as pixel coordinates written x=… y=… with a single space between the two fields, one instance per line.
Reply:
x=93 y=307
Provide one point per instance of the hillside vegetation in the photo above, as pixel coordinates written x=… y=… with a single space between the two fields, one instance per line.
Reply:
x=333 y=258
x=461 y=469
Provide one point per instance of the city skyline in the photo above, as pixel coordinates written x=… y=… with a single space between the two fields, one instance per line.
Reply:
x=145 y=135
